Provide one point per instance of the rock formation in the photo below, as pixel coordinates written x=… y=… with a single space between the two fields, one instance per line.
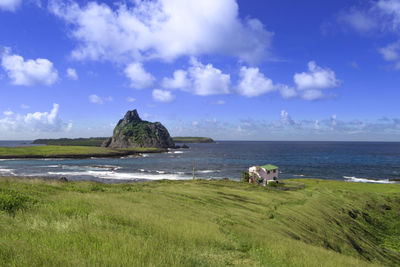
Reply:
x=132 y=131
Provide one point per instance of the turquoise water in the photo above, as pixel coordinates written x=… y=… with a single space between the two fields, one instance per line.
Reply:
x=351 y=161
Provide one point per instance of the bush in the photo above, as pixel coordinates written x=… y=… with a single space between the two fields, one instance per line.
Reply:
x=245 y=177
x=274 y=184
x=11 y=201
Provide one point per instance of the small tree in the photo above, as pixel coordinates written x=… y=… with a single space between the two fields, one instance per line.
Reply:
x=245 y=177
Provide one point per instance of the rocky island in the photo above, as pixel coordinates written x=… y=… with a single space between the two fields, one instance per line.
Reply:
x=133 y=132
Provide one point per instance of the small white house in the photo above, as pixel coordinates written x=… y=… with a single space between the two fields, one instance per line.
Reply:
x=263 y=174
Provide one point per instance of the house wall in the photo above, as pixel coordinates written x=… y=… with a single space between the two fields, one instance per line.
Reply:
x=262 y=173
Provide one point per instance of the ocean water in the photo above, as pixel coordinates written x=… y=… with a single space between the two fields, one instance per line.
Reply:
x=351 y=161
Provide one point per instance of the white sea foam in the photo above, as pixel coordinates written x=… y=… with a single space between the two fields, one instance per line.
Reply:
x=121 y=175
x=7 y=171
x=299 y=175
x=176 y=152
x=365 y=180
x=160 y=172
x=207 y=171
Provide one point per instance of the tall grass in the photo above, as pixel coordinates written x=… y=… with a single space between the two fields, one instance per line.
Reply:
x=198 y=223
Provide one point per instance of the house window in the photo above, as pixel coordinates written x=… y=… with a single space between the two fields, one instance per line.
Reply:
x=274 y=171
x=268 y=172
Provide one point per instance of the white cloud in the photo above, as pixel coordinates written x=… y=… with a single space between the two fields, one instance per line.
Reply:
x=391 y=53
x=390 y=8
x=8 y=113
x=163 y=29
x=253 y=83
x=287 y=91
x=23 y=106
x=37 y=121
x=313 y=94
x=71 y=74
x=130 y=99
x=311 y=83
x=382 y=16
x=286 y=119
x=162 y=95
x=95 y=99
x=179 y=80
x=358 y=20
x=29 y=72
x=199 y=79
x=140 y=79
x=10 y=5
x=220 y=102
x=316 y=78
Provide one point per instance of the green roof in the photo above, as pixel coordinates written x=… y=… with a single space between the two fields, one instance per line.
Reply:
x=269 y=167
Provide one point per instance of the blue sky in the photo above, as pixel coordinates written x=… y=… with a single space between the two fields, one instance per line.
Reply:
x=232 y=70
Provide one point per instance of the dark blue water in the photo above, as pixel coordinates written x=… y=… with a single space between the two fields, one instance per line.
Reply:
x=353 y=161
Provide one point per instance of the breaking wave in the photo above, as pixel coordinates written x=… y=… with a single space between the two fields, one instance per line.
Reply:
x=366 y=180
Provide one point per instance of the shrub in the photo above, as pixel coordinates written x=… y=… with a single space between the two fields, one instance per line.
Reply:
x=245 y=177
x=11 y=201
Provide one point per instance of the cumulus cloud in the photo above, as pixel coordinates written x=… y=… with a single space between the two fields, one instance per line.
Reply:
x=316 y=79
x=95 y=99
x=140 y=79
x=37 y=121
x=71 y=74
x=10 y=5
x=286 y=127
x=287 y=91
x=253 y=83
x=162 y=95
x=30 y=72
x=130 y=99
x=163 y=29
x=199 y=79
x=178 y=81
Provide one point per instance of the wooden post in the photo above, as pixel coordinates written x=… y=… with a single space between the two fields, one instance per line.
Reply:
x=194 y=169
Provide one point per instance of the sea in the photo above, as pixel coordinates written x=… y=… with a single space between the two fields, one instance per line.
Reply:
x=374 y=162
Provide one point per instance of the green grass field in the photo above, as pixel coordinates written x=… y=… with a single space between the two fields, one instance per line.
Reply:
x=197 y=223
x=93 y=141
x=67 y=151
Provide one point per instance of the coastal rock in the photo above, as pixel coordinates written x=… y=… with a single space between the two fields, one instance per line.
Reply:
x=132 y=132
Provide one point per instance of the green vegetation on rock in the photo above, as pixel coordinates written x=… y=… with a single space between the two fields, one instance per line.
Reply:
x=131 y=131
x=69 y=152
x=198 y=223
x=190 y=139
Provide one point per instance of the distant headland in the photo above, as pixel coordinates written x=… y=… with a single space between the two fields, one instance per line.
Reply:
x=131 y=135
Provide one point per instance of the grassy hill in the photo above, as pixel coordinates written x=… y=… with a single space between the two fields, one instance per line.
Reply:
x=198 y=223
x=69 y=152
x=93 y=141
